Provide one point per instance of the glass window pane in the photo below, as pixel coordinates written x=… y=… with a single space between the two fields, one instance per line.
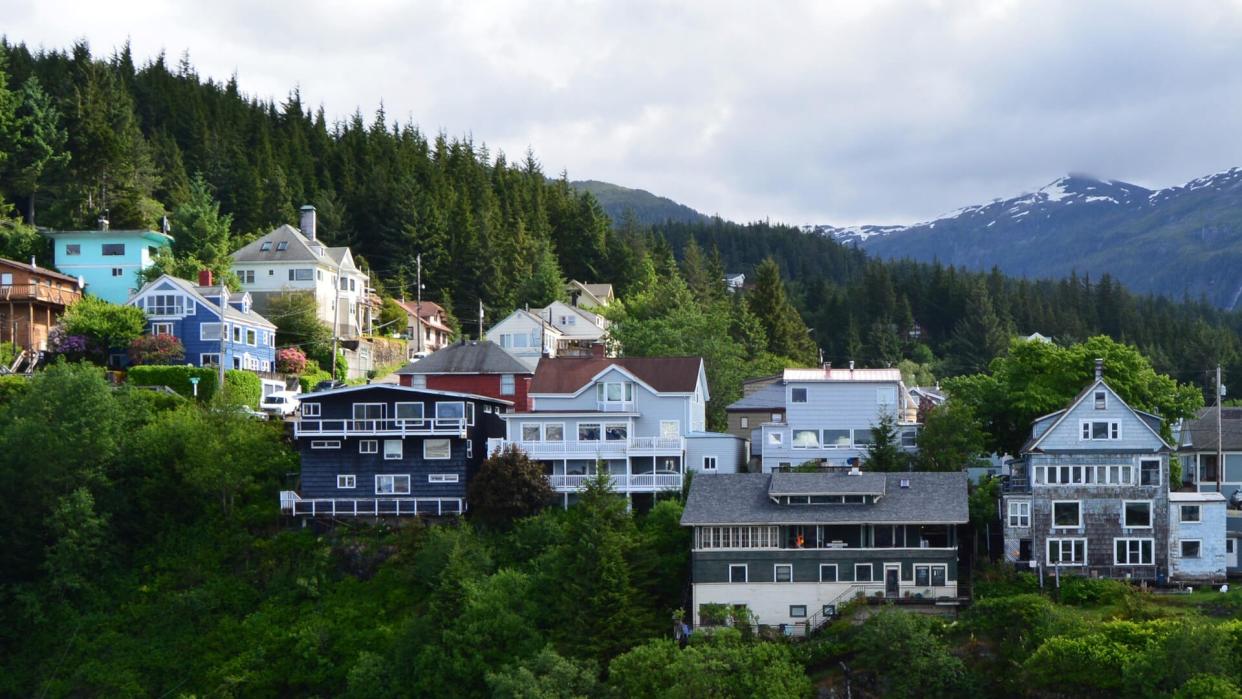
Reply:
x=554 y=432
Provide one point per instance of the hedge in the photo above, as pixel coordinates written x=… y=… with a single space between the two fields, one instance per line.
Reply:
x=243 y=385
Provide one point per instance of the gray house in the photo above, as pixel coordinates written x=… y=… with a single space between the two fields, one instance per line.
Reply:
x=641 y=418
x=1200 y=450
x=1092 y=494
x=791 y=547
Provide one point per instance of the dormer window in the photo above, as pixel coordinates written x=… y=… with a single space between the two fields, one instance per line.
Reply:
x=614 y=395
x=1101 y=400
x=266 y=246
x=282 y=246
x=1101 y=430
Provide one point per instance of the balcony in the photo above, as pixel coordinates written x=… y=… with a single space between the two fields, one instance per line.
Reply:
x=623 y=483
x=430 y=427
x=293 y=504
x=25 y=293
x=614 y=406
x=615 y=449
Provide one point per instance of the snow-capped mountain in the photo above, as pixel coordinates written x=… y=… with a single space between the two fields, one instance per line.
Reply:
x=1178 y=240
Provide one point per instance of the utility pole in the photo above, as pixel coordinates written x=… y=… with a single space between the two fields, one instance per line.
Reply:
x=1220 y=446
x=480 y=320
x=418 y=313
x=224 y=303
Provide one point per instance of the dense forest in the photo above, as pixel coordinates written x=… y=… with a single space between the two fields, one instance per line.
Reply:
x=85 y=136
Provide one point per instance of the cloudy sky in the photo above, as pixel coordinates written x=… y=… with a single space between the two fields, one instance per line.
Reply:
x=815 y=112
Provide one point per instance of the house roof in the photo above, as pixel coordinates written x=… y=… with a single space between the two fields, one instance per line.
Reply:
x=1196 y=497
x=35 y=269
x=400 y=389
x=533 y=317
x=571 y=374
x=198 y=294
x=1199 y=433
x=1151 y=422
x=745 y=498
x=843 y=375
x=298 y=249
x=597 y=294
x=591 y=329
x=424 y=310
x=154 y=236
x=472 y=357
x=830 y=483
x=770 y=397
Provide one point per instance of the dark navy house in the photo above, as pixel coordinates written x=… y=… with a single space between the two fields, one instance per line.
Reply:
x=384 y=450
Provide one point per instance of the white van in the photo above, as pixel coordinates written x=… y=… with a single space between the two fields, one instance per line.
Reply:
x=281 y=403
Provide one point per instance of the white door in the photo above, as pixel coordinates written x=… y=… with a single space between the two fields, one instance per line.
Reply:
x=1231 y=553
x=670 y=428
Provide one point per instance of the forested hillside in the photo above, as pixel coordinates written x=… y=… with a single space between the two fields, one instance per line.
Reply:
x=643 y=206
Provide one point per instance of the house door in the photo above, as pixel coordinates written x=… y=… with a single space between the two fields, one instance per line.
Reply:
x=1024 y=549
x=1231 y=553
x=891 y=580
x=670 y=428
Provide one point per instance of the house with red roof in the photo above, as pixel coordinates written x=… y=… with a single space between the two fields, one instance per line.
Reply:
x=425 y=327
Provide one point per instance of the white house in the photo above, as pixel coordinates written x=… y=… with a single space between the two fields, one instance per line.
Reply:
x=582 y=331
x=287 y=259
x=527 y=336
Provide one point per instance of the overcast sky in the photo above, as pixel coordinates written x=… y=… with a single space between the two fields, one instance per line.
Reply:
x=819 y=112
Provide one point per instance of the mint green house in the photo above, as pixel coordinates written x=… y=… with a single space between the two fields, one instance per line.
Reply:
x=108 y=261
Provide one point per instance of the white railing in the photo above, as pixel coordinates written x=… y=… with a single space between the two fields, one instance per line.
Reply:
x=293 y=504
x=344 y=427
x=636 y=482
x=614 y=406
x=646 y=446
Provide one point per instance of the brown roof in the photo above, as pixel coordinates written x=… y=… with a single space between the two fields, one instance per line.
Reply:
x=37 y=270
x=664 y=374
x=424 y=312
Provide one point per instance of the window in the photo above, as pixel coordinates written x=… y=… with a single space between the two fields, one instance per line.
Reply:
x=301 y=275
x=837 y=439
x=469 y=449
x=164 y=304
x=1101 y=400
x=442 y=478
x=209 y=331
x=113 y=249
x=1019 y=513
x=118 y=272
x=939 y=573
x=863 y=438
x=797 y=611
x=776 y=439
x=409 y=412
x=1149 y=472
x=470 y=414
x=1066 y=514
x=265 y=246
x=827 y=572
x=325 y=444
x=554 y=432
x=368 y=446
x=909 y=438
x=346 y=481
x=310 y=410
x=392 y=485
x=6 y=279
x=531 y=432
x=451 y=411
x=1190 y=548
x=161 y=328
x=1133 y=552
x=1100 y=429
x=776 y=417
x=1189 y=513
x=74 y=249
x=392 y=449
x=251 y=337
x=237 y=333
x=736 y=537
x=282 y=246
x=506 y=384
x=922 y=576
x=588 y=433
x=209 y=359
x=709 y=463
x=743 y=422
x=782 y=572
x=247 y=276
x=437 y=449
x=862 y=572
x=1136 y=514
x=797 y=395
x=1229 y=544
x=616 y=432
x=1067 y=552
x=614 y=392
x=805 y=439
x=737 y=572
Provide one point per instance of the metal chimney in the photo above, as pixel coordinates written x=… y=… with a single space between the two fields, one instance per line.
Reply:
x=103 y=223
x=1099 y=369
x=308 y=222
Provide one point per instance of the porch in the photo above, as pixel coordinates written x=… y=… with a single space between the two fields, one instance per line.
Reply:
x=293 y=504
x=428 y=427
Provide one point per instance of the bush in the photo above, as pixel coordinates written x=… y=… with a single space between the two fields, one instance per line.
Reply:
x=309 y=380
x=1077 y=665
x=242 y=386
x=1017 y=624
x=1091 y=592
x=909 y=657
x=291 y=360
x=12 y=387
x=156 y=349
x=1208 y=687
x=1001 y=580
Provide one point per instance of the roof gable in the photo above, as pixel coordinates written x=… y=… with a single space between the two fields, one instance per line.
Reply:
x=571 y=375
x=1068 y=419
x=473 y=357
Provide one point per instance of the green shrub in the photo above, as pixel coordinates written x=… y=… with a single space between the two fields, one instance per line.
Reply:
x=243 y=386
x=1092 y=592
x=909 y=657
x=1000 y=580
x=1208 y=687
x=308 y=380
x=12 y=387
x=1077 y=665
x=1018 y=624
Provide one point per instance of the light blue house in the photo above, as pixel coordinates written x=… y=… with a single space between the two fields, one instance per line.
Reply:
x=192 y=314
x=1197 y=541
x=641 y=418
x=108 y=261
x=828 y=416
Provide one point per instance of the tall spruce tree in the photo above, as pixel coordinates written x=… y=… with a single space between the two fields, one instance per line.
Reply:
x=37 y=145
x=787 y=334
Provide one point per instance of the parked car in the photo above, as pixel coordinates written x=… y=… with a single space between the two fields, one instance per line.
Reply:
x=328 y=385
x=251 y=413
x=281 y=403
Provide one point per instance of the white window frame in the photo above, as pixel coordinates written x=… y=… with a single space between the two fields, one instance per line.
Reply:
x=393 y=455
x=793 y=394
x=396 y=412
x=368 y=446
x=395 y=478
x=544 y=432
x=1056 y=526
x=743 y=422
x=836 y=574
x=204 y=335
x=776 y=576
x=1151 y=515
x=531 y=432
x=1100 y=400
x=777 y=418
x=163 y=328
x=310 y=409
x=793 y=442
x=1159 y=471
x=1139 y=540
x=346 y=481
x=469 y=448
x=1085 y=431
x=325 y=444
x=776 y=439
x=209 y=359
x=870 y=567
x=598 y=426
x=1181 y=514
x=793 y=614
x=443 y=478
x=1181 y=552
x=1061 y=541
x=427 y=442
x=745 y=573
x=709 y=463
x=252 y=337
x=462 y=403
x=508 y=384
x=1019 y=513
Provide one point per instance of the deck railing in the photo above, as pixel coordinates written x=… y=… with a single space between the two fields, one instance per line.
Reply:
x=38 y=292
x=634 y=482
x=293 y=504
x=645 y=446
x=387 y=427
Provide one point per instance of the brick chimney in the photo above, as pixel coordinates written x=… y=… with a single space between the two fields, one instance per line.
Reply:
x=309 y=222
x=204 y=277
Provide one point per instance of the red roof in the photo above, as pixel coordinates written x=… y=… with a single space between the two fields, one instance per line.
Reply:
x=424 y=311
x=664 y=374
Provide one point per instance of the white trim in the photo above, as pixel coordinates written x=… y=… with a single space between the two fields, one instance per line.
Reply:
x=1182 y=554
x=1084 y=422
x=447 y=441
x=836 y=573
x=1083 y=397
x=1151 y=515
x=713 y=462
x=745 y=573
x=1053 y=522
x=325 y=444
x=346 y=481
x=1139 y=539
x=368 y=446
x=395 y=478
x=1011 y=515
x=202 y=359
x=396 y=455
x=310 y=409
x=870 y=574
x=1060 y=540
x=776 y=578
x=1181 y=513
x=443 y=478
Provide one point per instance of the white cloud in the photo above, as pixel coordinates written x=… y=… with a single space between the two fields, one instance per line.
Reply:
x=840 y=112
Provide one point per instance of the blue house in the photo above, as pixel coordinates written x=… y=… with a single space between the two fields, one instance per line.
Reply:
x=192 y=314
x=108 y=261
x=384 y=450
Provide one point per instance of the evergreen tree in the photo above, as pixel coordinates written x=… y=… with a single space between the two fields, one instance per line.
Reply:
x=884 y=453
x=200 y=232
x=545 y=283
x=978 y=337
x=36 y=147
x=787 y=334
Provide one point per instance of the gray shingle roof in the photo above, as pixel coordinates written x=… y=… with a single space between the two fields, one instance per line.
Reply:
x=298 y=249
x=771 y=397
x=467 y=358
x=1199 y=434
x=830 y=483
x=200 y=295
x=742 y=498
